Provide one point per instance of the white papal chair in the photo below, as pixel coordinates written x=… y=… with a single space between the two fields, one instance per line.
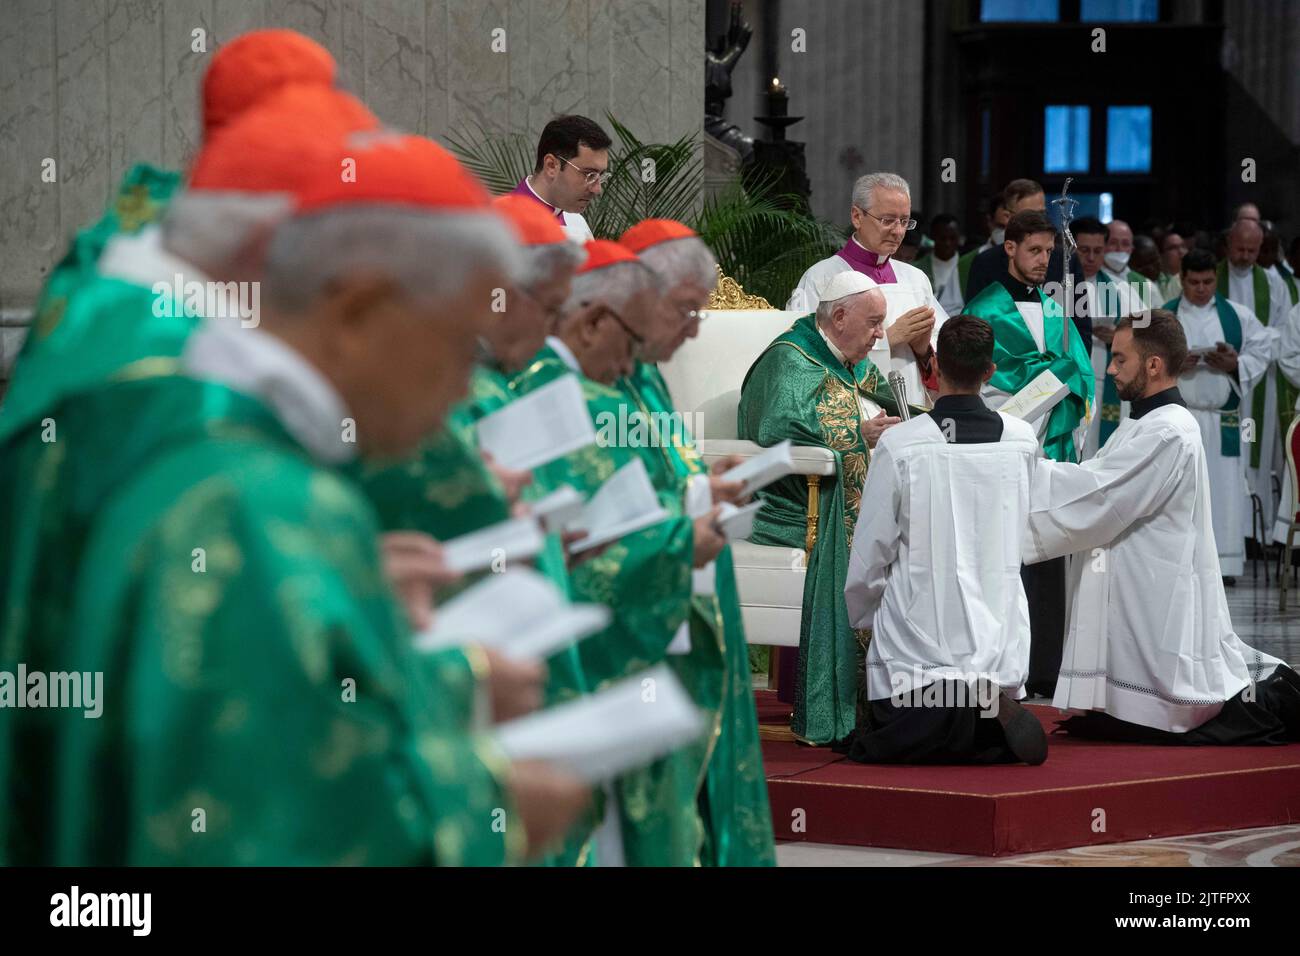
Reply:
x=704 y=377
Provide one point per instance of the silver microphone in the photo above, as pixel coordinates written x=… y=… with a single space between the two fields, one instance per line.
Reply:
x=900 y=393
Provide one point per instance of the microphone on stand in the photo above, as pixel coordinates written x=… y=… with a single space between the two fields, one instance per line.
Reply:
x=900 y=393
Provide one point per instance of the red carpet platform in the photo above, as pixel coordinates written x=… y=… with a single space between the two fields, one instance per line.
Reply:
x=1134 y=792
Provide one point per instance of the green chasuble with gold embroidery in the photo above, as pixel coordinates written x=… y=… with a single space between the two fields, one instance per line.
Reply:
x=257 y=676
x=1019 y=362
x=798 y=390
x=738 y=822
x=445 y=490
x=645 y=580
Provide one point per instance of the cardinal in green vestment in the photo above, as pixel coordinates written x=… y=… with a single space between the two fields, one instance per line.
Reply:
x=815 y=386
x=644 y=577
x=733 y=794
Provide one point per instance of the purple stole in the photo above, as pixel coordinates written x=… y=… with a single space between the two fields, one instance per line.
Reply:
x=864 y=261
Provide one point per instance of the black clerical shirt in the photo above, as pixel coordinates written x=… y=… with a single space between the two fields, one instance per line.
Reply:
x=1170 y=396
x=966 y=420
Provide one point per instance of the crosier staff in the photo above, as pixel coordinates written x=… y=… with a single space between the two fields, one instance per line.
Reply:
x=1068 y=246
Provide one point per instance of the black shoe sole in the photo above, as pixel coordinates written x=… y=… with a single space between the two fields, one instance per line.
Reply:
x=1025 y=737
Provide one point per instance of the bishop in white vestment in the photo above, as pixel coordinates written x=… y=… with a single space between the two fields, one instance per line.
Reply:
x=1150 y=643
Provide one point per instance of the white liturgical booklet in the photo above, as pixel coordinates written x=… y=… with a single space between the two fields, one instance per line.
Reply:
x=1037 y=398
x=515 y=540
x=540 y=427
x=626 y=502
x=737 y=523
x=599 y=736
x=518 y=612
x=557 y=509
x=770 y=465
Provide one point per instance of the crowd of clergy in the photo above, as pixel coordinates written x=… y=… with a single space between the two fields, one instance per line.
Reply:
x=311 y=593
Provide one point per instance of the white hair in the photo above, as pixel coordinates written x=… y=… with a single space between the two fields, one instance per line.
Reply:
x=826 y=309
x=541 y=263
x=428 y=254
x=615 y=284
x=211 y=227
x=686 y=259
x=863 y=188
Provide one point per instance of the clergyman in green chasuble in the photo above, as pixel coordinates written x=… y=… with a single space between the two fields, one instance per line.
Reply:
x=733 y=797
x=798 y=390
x=645 y=580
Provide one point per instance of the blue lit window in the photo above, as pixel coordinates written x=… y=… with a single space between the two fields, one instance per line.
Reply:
x=1029 y=10
x=1065 y=139
x=1119 y=11
x=1128 y=139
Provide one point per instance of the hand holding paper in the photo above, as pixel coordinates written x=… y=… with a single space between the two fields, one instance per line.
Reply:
x=518 y=613
x=625 y=503
x=771 y=465
x=540 y=427
x=602 y=735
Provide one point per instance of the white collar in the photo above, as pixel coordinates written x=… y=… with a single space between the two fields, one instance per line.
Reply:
x=141 y=260
x=880 y=256
x=528 y=181
x=1240 y=273
x=839 y=356
x=257 y=363
x=564 y=352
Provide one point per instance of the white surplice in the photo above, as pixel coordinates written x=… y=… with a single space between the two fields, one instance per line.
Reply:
x=1241 y=289
x=1150 y=639
x=910 y=290
x=935 y=566
x=1205 y=390
x=1288 y=361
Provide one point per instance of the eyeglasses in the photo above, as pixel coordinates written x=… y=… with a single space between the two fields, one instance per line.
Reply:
x=638 y=343
x=553 y=313
x=590 y=176
x=889 y=222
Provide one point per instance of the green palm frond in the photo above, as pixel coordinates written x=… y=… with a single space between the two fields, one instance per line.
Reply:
x=647 y=180
x=500 y=161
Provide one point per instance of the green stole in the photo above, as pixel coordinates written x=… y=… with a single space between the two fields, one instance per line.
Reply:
x=1286 y=392
x=1110 y=400
x=738 y=825
x=1019 y=361
x=1288 y=279
x=798 y=390
x=1230 y=420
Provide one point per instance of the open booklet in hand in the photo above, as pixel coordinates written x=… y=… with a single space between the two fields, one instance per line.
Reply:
x=517 y=539
x=1037 y=398
x=602 y=735
x=772 y=464
x=625 y=503
x=519 y=613
x=738 y=522
x=558 y=509
x=540 y=427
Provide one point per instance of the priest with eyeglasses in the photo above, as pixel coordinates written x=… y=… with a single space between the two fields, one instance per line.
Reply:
x=881 y=212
